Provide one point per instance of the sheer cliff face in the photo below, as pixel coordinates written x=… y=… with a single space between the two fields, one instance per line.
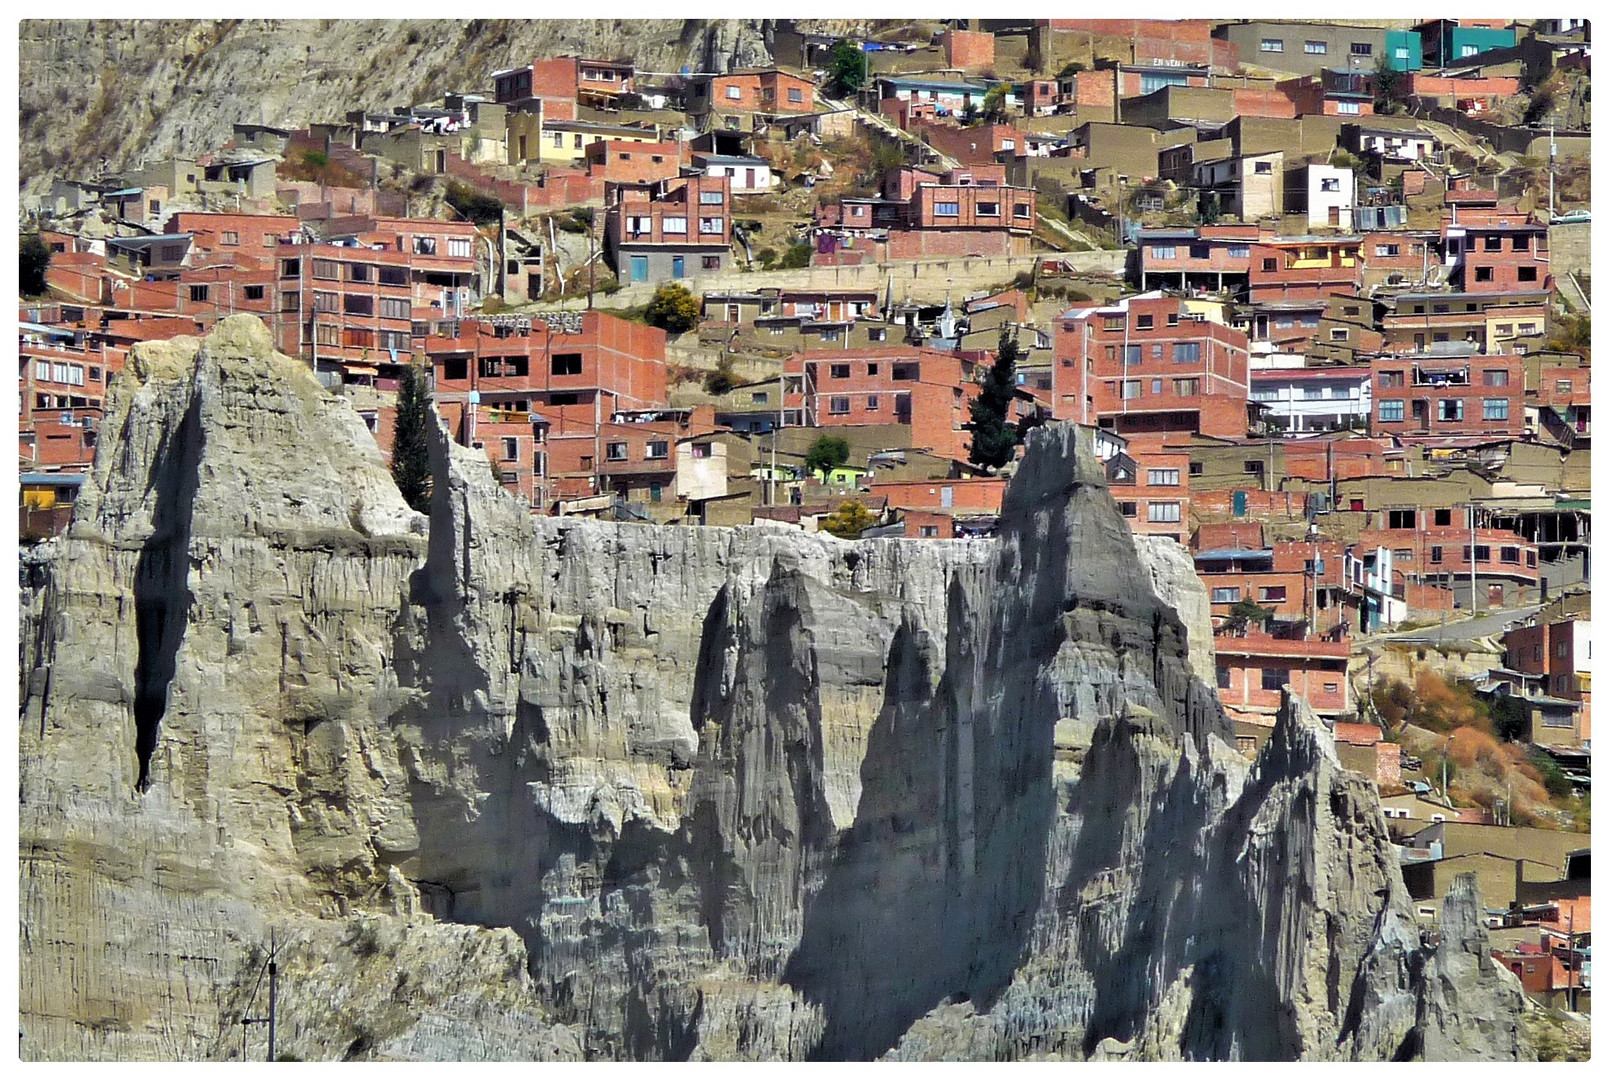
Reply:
x=132 y=91
x=518 y=787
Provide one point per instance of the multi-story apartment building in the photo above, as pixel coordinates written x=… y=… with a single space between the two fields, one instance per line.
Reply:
x=1497 y=258
x=967 y=211
x=1253 y=669
x=1413 y=322
x=535 y=395
x=1303 y=267
x=1150 y=481
x=350 y=300
x=743 y=100
x=1147 y=363
x=1307 y=48
x=1216 y=258
x=1432 y=546
x=1426 y=394
x=669 y=230
x=898 y=384
x=1303 y=400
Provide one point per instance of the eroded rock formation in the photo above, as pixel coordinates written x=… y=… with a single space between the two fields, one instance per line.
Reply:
x=516 y=787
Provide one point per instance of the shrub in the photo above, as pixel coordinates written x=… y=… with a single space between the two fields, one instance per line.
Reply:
x=797 y=257
x=472 y=205
x=672 y=309
x=848 y=521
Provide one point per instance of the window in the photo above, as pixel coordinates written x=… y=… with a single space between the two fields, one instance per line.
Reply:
x=1164 y=251
x=1401 y=52
x=1362 y=48
x=838 y=406
x=615 y=451
x=94 y=374
x=566 y=363
x=1162 y=511
x=255 y=292
x=1240 y=251
x=1131 y=389
x=1187 y=352
x=1270 y=265
x=459 y=247
x=871 y=403
x=326 y=269
x=1263 y=168
x=289 y=268
x=1276 y=45
x=1145 y=322
x=1512 y=555
x=1187 y=387
x=795 y=94
x=1162 y=477
x=1128 y=509
x=1173 y=318
x=839 y=371
x=1483 y=551
x=674 y=226
x=658 y=450
x=1156 y=351
x=1156 y=386
x=1494 y=409
x=1131 y=354
x=511 y=449
x=1401 y=519
x=231 y=239
x=1021 y=210
x=1562 y=386
x=1527 y=273
x=988 y=209
x=1227 y=594
x=1483 y=273
x=1450 y=409
x=734 y=93
x=947 y=209
x=1272 y=592
x=709 y=225
x=198 y=292
x=1223 y=678
x=1315 y=48
x=1348 y=108
x=1329 y=183
x=358 y=305
x=711 y=198
x=1275 y=678
x=1197 y=468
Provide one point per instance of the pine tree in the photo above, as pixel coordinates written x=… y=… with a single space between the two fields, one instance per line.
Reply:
x=994 y=439
x=410 y=450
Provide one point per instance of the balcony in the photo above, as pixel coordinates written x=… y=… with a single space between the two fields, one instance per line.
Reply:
x=1440 y=377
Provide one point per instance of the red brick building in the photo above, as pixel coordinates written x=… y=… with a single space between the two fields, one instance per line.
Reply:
x=537 y=398
x=925 y=388
x=1146 y=363
x=1254 y=667
x=1425 y=395
x=1431 y=546
x=966 y=211
x=1490 y=258
x=669 y=230
x=633 y=162
x=1150 y=481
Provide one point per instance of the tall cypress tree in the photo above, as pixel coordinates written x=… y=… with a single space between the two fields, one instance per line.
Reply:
x=994 y=439
x=410 y=452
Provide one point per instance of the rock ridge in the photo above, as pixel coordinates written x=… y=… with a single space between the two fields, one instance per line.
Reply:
x=518 y=787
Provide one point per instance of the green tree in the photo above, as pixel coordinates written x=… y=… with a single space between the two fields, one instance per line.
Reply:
x=994 y=439
x=1208 y=208
x=1510 y=718
x=846 y=67
x=848 y=521
x=1387 y=87
x=825 y=455
x=1244 y=613
x=34 y=261
x=410 y=449
x=994 y=108
x=672 y=309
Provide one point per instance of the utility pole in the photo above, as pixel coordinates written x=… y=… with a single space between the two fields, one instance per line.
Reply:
x=273 y=994
x=1553 y=150
x=1473 y=601
x=592 y=255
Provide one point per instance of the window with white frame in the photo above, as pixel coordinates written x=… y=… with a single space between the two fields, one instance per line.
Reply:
x=1226 y=594
x=711 y=225
x=675 y=226
x=459 y=247
x=711 y=198
x=1162 y=477
x=734 y=93
x=947 y=209
x=1274 y=45
x=1162 y=511
x=1315 y=48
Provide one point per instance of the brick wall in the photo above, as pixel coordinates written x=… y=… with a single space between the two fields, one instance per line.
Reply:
x=969 y=49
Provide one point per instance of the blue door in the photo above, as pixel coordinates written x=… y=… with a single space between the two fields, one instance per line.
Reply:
x=678 y=266
x=1240 y=504
x=639 y=268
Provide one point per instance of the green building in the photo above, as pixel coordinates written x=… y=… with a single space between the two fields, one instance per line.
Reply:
x=1403 y=51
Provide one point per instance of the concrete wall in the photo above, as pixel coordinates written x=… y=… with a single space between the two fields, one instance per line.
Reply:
x=1570 y=249
x=921 y=278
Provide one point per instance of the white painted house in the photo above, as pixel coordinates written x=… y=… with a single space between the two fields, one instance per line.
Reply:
x=747 y=173
x=1331 y=193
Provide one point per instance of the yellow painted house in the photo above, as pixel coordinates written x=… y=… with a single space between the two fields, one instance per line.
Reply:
x=564 y=142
